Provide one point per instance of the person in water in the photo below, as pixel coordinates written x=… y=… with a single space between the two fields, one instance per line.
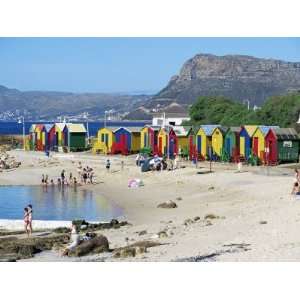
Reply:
x=26 y=220
x=43 y=179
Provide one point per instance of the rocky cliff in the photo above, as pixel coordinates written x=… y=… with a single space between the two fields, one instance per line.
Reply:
x=238 y=77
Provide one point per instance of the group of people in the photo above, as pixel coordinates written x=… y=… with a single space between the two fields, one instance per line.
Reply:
x=296 y=184
x=62 y=180
x=28 y=219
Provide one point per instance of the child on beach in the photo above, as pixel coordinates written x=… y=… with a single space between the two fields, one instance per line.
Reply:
x=295 y=190
x=108 y=165
x=29 y=210
x=26 y=220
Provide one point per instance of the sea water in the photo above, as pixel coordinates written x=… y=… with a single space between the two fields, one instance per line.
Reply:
x=56 y=203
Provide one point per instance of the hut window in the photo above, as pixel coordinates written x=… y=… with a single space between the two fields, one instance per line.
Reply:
x=102 y=137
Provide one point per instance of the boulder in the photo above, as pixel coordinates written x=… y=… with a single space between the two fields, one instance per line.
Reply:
x=162 y=234
x=167 y=204
x=188 y=222
x=98 y=244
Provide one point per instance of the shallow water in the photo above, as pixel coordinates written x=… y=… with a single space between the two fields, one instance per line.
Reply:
x=54 y=203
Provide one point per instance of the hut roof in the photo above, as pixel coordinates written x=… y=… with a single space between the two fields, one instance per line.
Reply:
x=76 y=127
x=39 y=126
x=61 y=126
x=208 y=129
x=131 y=129
x=32 y=128
x=48 y=127
x=286 y=133
x=234 y=129
x=113 y=129
x=155 y=128
x=181 y=130
x=265 y=129
x=250 y=129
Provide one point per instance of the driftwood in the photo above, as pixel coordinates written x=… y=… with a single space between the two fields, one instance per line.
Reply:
x=98 y=244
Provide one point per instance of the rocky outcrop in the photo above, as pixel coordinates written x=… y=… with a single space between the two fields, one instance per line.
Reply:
x=238 y=77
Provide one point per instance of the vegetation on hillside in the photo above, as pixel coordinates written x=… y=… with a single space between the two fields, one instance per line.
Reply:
x=277 y=110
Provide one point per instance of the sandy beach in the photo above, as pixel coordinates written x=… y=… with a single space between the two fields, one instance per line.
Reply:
x=220 y=216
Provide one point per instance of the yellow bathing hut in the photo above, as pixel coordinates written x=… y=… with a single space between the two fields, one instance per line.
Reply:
x=59 y=139
x=204 y=140
x=217 y=140
x=182 y=133
x=105 y=140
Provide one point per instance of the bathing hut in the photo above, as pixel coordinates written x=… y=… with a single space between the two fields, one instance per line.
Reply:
x=204 y=140
x=258 y=141
x=246 y=134
x=149 y=138
x=127 y=140
x=232 y=142
x=31 y=137
x=183 y=137
x=48 y=136
x=74 y=137
x=282 y=145
x=59 y=138
x=217 y=140
x=39 y=144
x=105 y=140
x=167 y=142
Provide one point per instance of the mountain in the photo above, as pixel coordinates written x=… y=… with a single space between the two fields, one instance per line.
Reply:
x=237 y=77
x=46 y=105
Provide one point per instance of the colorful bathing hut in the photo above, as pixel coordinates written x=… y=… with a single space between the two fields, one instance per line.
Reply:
x=232 y=143
x=48 y=136
x=204 y=140
x=282 y=145
x=149 y=138
x=167 y=142
x=39 y=143
x=59 y=138
x=74 y=137
x=182 y=134
x=258 y=141
x=217 y=140
x=246 y=134
x=31 y=137
x=105 y=140
x=127 y=140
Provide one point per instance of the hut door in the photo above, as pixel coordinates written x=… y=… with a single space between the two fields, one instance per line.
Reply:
x=171 y=148
x=242 y=145
x=255 y=145
x=199 y=144
x=227 y=146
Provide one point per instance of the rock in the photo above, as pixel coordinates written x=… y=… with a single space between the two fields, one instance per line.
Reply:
x=98 y=244
x=211 y=216
x=62 y=230
x=162 y=234
x=143 y=232
x=197 y=219
x=263 y=222
x=178 y=198
x=83 y=227
x=208 y=223
x=188 y=222
x=211 y=188
x=124 y=253
x=168 y=204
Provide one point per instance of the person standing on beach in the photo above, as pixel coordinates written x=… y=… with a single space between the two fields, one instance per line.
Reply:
x=29 y=209
x=26 y=220
x=108 y=165
x=79 y=171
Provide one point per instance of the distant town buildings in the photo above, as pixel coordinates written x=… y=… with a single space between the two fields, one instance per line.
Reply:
x=174 y=119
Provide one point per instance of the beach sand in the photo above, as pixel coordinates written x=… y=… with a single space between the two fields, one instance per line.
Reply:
x=253 y=216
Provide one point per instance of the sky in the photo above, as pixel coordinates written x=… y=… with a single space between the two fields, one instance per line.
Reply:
x=119 y=65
